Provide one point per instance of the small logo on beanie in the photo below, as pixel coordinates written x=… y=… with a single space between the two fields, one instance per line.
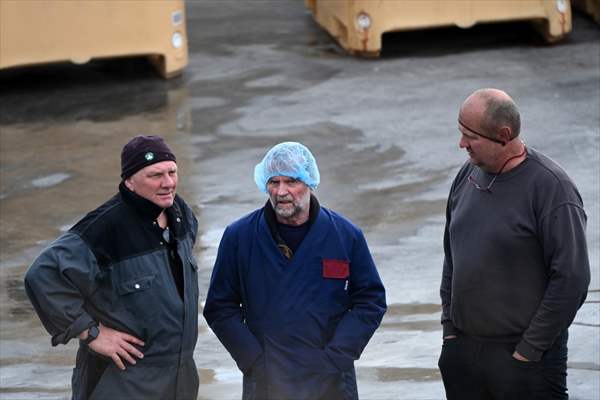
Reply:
x=149 y=156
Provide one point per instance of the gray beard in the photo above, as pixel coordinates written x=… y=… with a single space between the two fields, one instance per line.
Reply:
x=287 y=213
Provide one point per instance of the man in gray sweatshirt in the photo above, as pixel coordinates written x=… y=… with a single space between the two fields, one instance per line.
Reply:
x=516 y=266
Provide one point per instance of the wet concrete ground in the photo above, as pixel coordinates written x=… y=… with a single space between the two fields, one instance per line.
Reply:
x=384 y=135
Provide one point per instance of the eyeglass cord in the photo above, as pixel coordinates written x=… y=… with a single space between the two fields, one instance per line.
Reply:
x=489 y=186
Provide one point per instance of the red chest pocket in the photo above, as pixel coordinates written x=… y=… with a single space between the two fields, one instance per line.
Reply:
x=336 y=269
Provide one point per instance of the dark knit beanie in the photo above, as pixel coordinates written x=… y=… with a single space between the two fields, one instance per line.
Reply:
x=142 y=151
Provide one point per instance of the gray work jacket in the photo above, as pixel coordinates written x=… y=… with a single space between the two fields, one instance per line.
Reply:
x=113 y=268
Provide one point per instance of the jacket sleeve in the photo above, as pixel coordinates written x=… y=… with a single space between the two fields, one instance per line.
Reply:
x=367 y=307
x=57 y=284
x=565 y=250
x=223 y=310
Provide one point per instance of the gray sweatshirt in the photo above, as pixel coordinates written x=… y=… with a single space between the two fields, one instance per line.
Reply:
x=516 y=265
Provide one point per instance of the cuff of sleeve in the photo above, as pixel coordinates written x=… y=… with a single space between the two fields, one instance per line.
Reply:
x=258 y=363
x=246 y=364
x=528 y=351
x=448 y=329
x=83 y=322
x=341 y=362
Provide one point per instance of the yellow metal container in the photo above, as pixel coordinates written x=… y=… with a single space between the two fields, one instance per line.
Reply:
x=359 y=24
x=45 y=31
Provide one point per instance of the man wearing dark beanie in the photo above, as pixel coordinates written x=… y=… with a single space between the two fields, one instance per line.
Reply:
x=123 y=280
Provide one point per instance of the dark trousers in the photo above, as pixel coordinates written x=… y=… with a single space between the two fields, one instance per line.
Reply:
x=473 y=369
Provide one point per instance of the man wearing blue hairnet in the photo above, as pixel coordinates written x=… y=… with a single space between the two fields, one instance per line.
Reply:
x=294 y=295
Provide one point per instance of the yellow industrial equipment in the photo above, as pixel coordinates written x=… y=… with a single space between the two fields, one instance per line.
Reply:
x=45 y=31
x=359 y=24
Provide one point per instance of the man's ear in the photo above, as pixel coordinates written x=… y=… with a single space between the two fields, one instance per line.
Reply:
x=129 y=184
x=505 y=135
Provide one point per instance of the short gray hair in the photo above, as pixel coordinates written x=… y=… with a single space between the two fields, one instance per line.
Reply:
x=501 y=112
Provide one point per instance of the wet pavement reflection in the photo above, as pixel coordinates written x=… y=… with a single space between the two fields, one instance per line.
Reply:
x=384 y=136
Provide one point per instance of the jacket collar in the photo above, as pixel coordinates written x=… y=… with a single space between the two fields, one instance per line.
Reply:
x=148 y=210
x=271 y=219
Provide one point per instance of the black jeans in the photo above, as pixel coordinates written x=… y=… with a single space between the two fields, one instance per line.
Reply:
x=473 y=369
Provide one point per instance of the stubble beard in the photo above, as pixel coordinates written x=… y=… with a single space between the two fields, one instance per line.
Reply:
x=291 y=210
x=287 y=212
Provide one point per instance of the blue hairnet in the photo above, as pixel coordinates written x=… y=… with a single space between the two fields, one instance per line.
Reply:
x=287 y=159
